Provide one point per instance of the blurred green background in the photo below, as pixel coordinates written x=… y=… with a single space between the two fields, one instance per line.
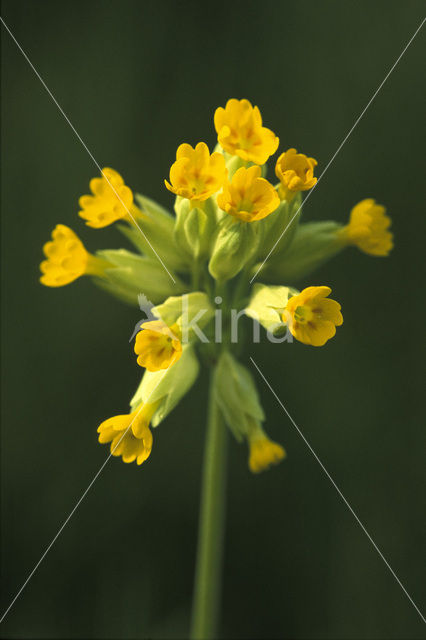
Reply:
x=137 y=79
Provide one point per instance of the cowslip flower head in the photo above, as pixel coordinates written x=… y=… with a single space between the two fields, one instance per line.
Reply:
x=183 y=268
x=240 y=132
x=312 y=317
x=158 y=346
x=196 y=174
x=263 y=452
x=67 y=259
x=112 y=200
x=295 y=172
x=248 y=197
x=129 y=434
x=368 y=229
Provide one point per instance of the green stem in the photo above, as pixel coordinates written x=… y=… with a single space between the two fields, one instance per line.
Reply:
x=242 y=286
x=196 y=274
x=208 y=571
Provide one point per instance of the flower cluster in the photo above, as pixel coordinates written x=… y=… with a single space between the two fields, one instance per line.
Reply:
x=230 y=223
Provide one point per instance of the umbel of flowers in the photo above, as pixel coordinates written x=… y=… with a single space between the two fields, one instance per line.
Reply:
x=228 y=217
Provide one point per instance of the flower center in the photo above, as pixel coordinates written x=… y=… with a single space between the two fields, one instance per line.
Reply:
x=246 y=142
x=197 y=185
x=245 y=205
x=303 y=314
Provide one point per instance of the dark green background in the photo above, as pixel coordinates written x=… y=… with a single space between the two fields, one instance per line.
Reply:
x=136 y=79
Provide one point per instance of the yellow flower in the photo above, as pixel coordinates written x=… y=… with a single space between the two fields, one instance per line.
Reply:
x=158 y=346
x=248 y=197
x=368 y=229
x=129 y=434
x=311 y=317
x=263 y=452
x=111 y=200
x=295 y=172
x=196 y=174
x=240 y=132
x=67 y=259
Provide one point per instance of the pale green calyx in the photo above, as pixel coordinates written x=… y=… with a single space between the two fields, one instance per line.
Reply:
x=281 y=226
x=131 y=274
x=236 y=394
x=167 y=386
x=194 y=227
x=236 y=244
x=191 y=312
x=154 y=234
x=313 y=244
x=232 y=162
x=267 y=304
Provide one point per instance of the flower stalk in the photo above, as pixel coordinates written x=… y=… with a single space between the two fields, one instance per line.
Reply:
x=208 y=572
